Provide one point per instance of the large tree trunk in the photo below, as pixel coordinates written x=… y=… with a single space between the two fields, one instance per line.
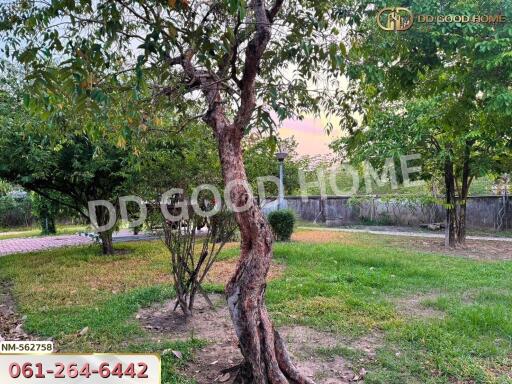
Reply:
x=46 y=209
x=107 y=245
x=451 y=204
x=463 y=195
x=266 y=358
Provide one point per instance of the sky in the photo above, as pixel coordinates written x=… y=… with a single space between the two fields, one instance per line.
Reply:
x=310 y=132
x=310 y=135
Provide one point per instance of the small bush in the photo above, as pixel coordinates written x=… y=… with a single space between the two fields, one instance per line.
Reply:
x=282 y=223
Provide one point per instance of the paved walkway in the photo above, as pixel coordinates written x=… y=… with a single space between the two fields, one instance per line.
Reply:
x=31 y=244
x=405 y=234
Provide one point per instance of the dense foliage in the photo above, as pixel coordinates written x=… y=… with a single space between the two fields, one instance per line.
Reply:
x=443 y=92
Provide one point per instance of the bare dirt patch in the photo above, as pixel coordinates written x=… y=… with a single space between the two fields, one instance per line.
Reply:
x=11 y=323
x=369 y=343
x=414 y=306
x=474 y=249
x=304 y=344
x=313 y=236
x=213 y=326
x=222 y=351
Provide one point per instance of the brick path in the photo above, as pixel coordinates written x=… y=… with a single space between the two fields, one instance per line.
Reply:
x=31 y=244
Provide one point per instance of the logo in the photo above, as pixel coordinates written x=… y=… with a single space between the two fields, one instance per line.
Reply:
x=402 y=19
x=395 y=19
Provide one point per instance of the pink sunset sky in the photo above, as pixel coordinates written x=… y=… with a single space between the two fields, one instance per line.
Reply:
x=310 y=135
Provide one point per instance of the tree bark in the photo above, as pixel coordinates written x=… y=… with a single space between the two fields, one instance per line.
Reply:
x=463 y=196
x=107 y=245
x=451 y=204
x=266 y=358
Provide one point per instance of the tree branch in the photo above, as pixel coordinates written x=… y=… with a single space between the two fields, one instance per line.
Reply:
x=49 y=197
x=234 y=54
x=253 y=54
x=271 y=14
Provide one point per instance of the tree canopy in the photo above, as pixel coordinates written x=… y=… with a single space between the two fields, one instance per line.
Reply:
x=440 y=90
x=78 y=54
x=231 y=63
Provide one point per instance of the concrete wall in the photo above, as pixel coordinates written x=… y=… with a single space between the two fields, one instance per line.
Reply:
x=482 y=211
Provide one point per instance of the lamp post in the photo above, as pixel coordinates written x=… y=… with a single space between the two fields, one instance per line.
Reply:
x=280 y=157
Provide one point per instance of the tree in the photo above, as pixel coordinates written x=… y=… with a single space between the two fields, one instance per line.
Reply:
x=443 y=92
x=68 y=169
x=222 y=61
x=177 y=161
x=46 y=211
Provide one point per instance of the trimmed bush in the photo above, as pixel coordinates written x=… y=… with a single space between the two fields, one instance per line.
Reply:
x=282 y=223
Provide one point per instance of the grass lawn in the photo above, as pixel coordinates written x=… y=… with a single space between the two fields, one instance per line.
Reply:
x=442 y=319
x=12 y=233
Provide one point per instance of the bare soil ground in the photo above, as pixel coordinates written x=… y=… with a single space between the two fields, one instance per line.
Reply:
x=414 y=306
x=222 y=353
x=11 y=324
x=474 y=249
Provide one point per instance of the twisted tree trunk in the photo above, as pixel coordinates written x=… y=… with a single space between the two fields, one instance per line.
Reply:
x=266 y=358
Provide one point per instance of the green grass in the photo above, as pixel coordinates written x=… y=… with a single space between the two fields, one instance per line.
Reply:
x=13 y=233
x=17 y=229
x=339 y=350
x=351 y=290
x=65 y=290
x=109 y=322
x=349 y=284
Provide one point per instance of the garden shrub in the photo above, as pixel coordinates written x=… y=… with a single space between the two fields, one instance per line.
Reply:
x=282 y=223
